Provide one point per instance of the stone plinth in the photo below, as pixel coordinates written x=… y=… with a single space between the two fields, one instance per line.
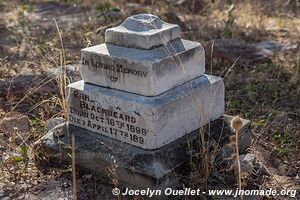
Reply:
x=142 y=168
x=146 y=122
x=143 y=31
x=146 y=72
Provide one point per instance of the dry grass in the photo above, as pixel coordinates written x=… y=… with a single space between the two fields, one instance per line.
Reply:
x=267 y=93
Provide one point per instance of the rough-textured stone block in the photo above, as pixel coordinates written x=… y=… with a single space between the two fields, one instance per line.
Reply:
x=147 y=122
x=143 y=31
x=146 y=72
x=159 y=168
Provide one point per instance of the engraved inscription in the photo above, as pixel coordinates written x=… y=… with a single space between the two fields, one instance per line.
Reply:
x=119 y=68
x=93 y=116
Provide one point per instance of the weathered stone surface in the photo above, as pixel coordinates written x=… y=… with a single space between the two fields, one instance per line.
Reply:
x=71 y=72
x=146 y=72
x=140 y=167
x=51 y=123
x=244 y=53
x=247 y=163
x=143 y=31
x=16 y=126
x=147 y=122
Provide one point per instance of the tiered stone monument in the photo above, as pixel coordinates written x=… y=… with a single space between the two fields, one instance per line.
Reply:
x=145 y=86
x=142 y=100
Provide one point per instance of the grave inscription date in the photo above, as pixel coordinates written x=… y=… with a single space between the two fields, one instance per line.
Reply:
x=91 y=115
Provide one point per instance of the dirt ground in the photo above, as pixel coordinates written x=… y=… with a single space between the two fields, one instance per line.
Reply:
x=253 y=45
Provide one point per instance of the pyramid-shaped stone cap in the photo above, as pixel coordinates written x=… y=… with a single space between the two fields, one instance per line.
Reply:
x=142 y=31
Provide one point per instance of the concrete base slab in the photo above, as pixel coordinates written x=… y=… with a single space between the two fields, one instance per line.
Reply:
x=143 y=168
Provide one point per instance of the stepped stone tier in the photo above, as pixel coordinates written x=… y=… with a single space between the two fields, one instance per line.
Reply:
x=164 y=62
x=144 y=91
x=147 y=122
x=144 y=31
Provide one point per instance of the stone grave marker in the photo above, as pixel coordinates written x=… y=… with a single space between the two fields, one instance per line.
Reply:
x=144 y=55
x=143 y=97
x=148 y=92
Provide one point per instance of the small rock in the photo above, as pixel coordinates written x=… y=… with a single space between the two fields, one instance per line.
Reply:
x=252 y=166
x=16 y=126
x=72 y=72
x=87 y=176
x=2 y=148
x=226 y=152
x=247 y=163
x=268 y=48
x=66 y=185
x=242 y=52
x=50 y=124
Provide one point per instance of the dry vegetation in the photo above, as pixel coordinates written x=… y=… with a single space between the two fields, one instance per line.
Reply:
x=266 y=91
